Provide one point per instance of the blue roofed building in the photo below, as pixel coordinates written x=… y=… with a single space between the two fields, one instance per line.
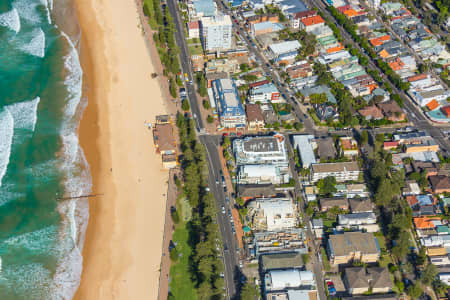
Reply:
x=292 y=6
x=424 y=200
x=203 y=8
x=265 y=27
x=235 y=3
x=231 y=111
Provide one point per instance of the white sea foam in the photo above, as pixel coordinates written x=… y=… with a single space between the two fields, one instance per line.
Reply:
x=28 y=10
x=47 y=9
x=31 y=279
x=9 y=193
x=6 y=136
x=36 y=45
x=25 y=113
x=75 y=212
x=39 y=241
x=11 y=20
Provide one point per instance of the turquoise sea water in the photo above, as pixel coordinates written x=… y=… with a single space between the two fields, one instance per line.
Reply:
x=41 y=235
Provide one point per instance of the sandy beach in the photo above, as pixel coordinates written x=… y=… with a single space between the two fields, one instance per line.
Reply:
x=123 y=244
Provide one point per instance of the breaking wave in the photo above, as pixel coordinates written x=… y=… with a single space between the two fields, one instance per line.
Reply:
x=6 y=137
x=11 y=20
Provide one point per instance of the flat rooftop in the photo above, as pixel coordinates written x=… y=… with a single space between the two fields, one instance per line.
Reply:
x=336 y=167
x=261 y=144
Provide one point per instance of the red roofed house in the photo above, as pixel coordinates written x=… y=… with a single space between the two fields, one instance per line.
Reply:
x=424 y=222
x=396 y=64
x=380 y=40
x=371 y=112
x=297 y=17
x=311 y=23
x=392 y=111
x=446 y=110
x=193 y=29
x=432 y=105
x=417 y=77
x=412 y=200
x=258 y=83
x=390 y=145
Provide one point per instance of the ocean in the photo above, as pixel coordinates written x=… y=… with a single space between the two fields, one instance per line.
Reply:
x=42 y=166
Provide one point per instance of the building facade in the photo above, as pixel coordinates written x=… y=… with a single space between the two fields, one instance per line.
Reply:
x=216 y=32
x=231 y=111
x=342 y=171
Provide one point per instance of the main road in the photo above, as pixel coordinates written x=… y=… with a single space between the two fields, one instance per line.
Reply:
x=230 y=255
x=185 y=63
x=211 y=144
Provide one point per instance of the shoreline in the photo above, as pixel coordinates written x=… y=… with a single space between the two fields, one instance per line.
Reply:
x=122 y=251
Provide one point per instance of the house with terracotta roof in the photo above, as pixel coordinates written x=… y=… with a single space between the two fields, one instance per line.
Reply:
x=440 y=184
x=311 y=23
x=378 y=41
x=193 y=29
x=397 y=64
x=371 y=113
x=446 y=110
x=348 y=146
x=425 y=222
x=412 y=200
x=432 y=105
x=390 y=145
x=299 y=16
x=392 y=111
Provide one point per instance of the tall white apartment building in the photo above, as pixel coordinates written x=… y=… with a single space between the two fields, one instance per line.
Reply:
x=216 y=32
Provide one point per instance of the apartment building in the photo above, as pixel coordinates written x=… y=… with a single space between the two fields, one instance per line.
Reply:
x=342 y=171
x=216 y=32
x=364 y=221
x=266 y=93
x=272 y=214
x=230 y=109
x=261 y=150
x=288 y=240
x=262 y=174
x=353 y=246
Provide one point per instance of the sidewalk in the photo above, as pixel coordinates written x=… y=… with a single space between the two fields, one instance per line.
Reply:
x=168 y=231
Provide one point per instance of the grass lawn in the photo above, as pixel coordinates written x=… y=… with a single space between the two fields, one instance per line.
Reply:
x=180 y=284
x=195 y=49
x=195 y=46
x=326 y=263
x=381 y=241
x=328 y=223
